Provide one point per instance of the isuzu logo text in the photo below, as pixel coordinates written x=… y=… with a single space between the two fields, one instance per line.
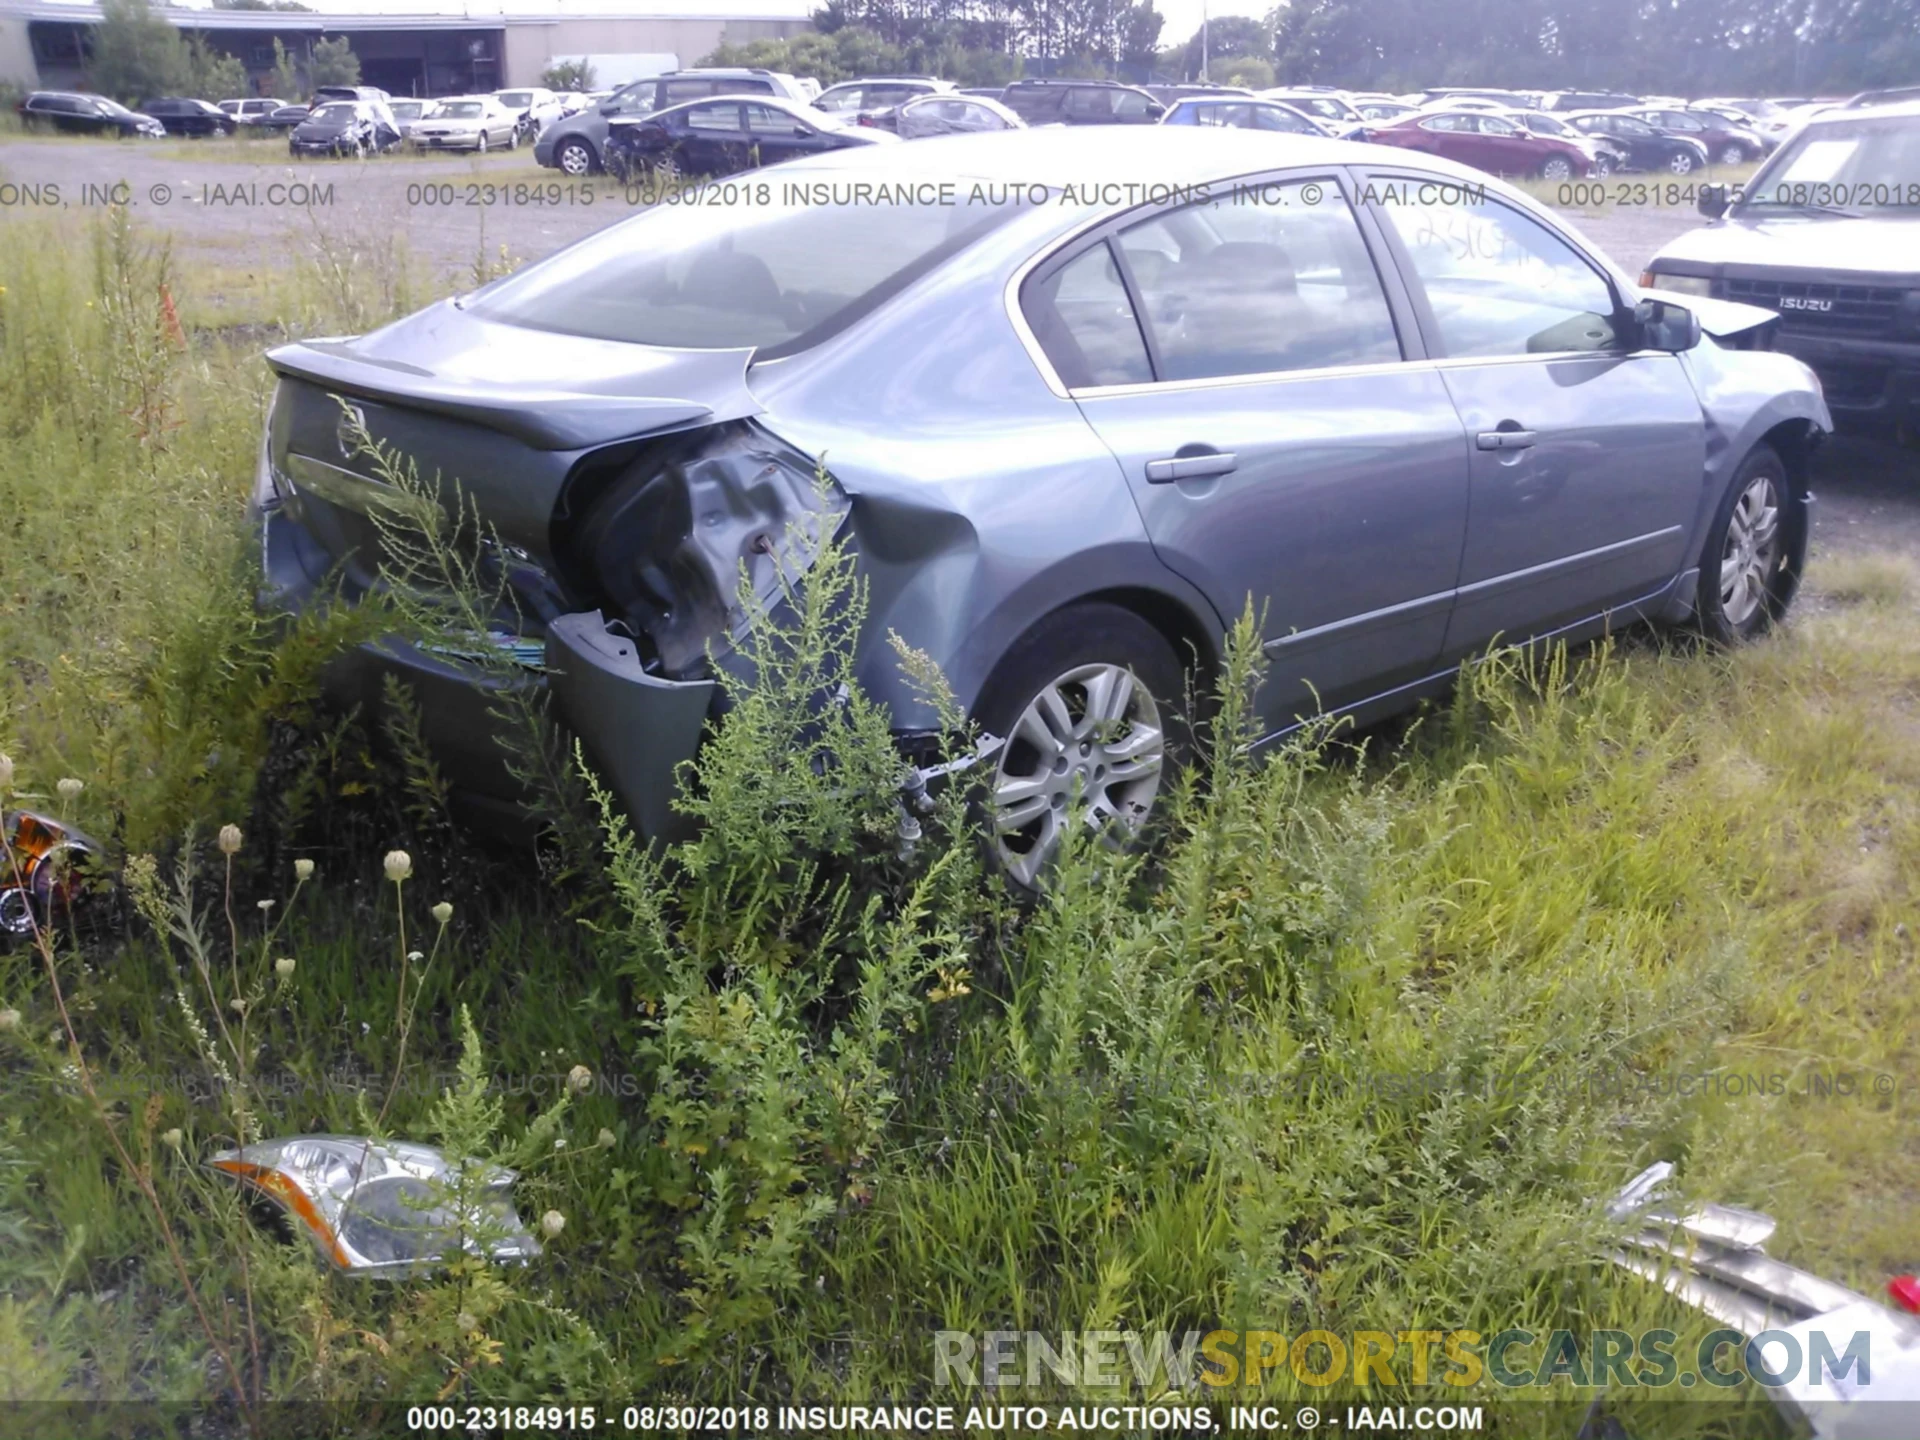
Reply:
x=1794 y=302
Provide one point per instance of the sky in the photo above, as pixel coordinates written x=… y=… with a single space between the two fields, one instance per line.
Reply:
x=1183 y=16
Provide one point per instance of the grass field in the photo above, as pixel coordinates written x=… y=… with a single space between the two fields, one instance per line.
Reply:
x=1356 y=1045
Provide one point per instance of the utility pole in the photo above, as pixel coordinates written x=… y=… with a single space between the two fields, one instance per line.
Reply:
x=1205 y=59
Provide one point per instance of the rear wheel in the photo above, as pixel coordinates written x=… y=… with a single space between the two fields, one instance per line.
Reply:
x=1086 y=704
x=1745 y=577
x=1733 y=154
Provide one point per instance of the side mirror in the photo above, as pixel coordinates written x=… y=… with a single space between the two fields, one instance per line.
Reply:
x=1525 y=133
x=1154 y=112
x=1666 y=326
x=1713 y=201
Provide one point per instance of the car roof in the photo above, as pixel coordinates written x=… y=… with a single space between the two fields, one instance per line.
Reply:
x=1140 y=155
x=1840 y=115
x=786 y=104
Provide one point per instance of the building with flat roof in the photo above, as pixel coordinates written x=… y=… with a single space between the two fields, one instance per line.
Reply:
x=45 y=45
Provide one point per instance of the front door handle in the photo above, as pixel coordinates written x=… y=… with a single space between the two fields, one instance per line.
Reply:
x=1505 y=439
x=1190 y=467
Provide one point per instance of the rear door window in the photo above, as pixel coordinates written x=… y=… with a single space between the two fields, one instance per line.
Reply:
x=765 y=120
x=678 y=92
x=1256 y=283
x=716 y=119
x=1086 y=103
x=1083 y=318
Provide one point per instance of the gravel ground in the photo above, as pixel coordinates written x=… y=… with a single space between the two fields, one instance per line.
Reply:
x=231 y=205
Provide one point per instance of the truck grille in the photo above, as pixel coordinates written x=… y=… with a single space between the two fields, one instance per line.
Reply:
x=1827 y=309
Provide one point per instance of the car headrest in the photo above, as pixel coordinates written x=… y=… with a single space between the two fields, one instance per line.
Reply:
x=1247 y=266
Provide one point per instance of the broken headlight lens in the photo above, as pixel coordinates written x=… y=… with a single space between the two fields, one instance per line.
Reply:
x=383 y=1207
x=42 y=869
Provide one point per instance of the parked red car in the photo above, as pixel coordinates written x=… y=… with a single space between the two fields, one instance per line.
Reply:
x=1494 y=143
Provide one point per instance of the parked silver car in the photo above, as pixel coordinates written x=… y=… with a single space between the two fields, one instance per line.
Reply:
x=1082 y=395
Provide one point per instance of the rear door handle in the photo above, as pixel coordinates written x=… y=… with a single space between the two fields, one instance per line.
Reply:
x=1190 y=467
x=1505 y=439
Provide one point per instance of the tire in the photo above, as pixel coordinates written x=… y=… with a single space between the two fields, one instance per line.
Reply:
x=1748 y=565
x=480 y=147
x=575 y=157
x=1733 y=154
x=1602 y=166
x=1681 y=162
x=1086 y=701
x=513 y=139
x=1556 y=168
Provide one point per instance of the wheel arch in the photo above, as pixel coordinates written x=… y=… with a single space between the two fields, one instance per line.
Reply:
x=1794 y=441
x=1192 y=640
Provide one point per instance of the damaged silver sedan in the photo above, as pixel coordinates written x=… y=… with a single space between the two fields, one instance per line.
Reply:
x=1080 y=396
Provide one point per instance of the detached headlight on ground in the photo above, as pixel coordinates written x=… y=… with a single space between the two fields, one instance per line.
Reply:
x=382 y=1207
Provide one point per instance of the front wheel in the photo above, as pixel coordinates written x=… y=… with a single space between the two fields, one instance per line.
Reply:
x=1746 y=571
x=1556 y=168
x=1602 y=166
x=481 y=147
x=1681 y=163
x=1085 y=702
x=575 y=157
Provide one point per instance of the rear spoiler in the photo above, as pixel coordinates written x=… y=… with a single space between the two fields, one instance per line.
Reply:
x=497 y=377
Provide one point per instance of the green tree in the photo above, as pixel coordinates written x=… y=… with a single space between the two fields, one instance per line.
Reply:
x=1253 y=72
x=1228 y=37
x=332 y=62
x=213 y=74
x=1140 y=28
x=568 y=75
x=284 y=83
x=137 y=53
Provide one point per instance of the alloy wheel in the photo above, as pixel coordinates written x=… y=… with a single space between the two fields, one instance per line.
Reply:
x=1090 y=743
x=1556 y=168
x=1753 y=545
x=1681 y=163
x=481 y=148
x=1732 y=155
x=574 y=158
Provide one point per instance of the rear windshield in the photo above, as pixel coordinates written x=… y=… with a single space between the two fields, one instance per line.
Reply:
x=779 y=277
